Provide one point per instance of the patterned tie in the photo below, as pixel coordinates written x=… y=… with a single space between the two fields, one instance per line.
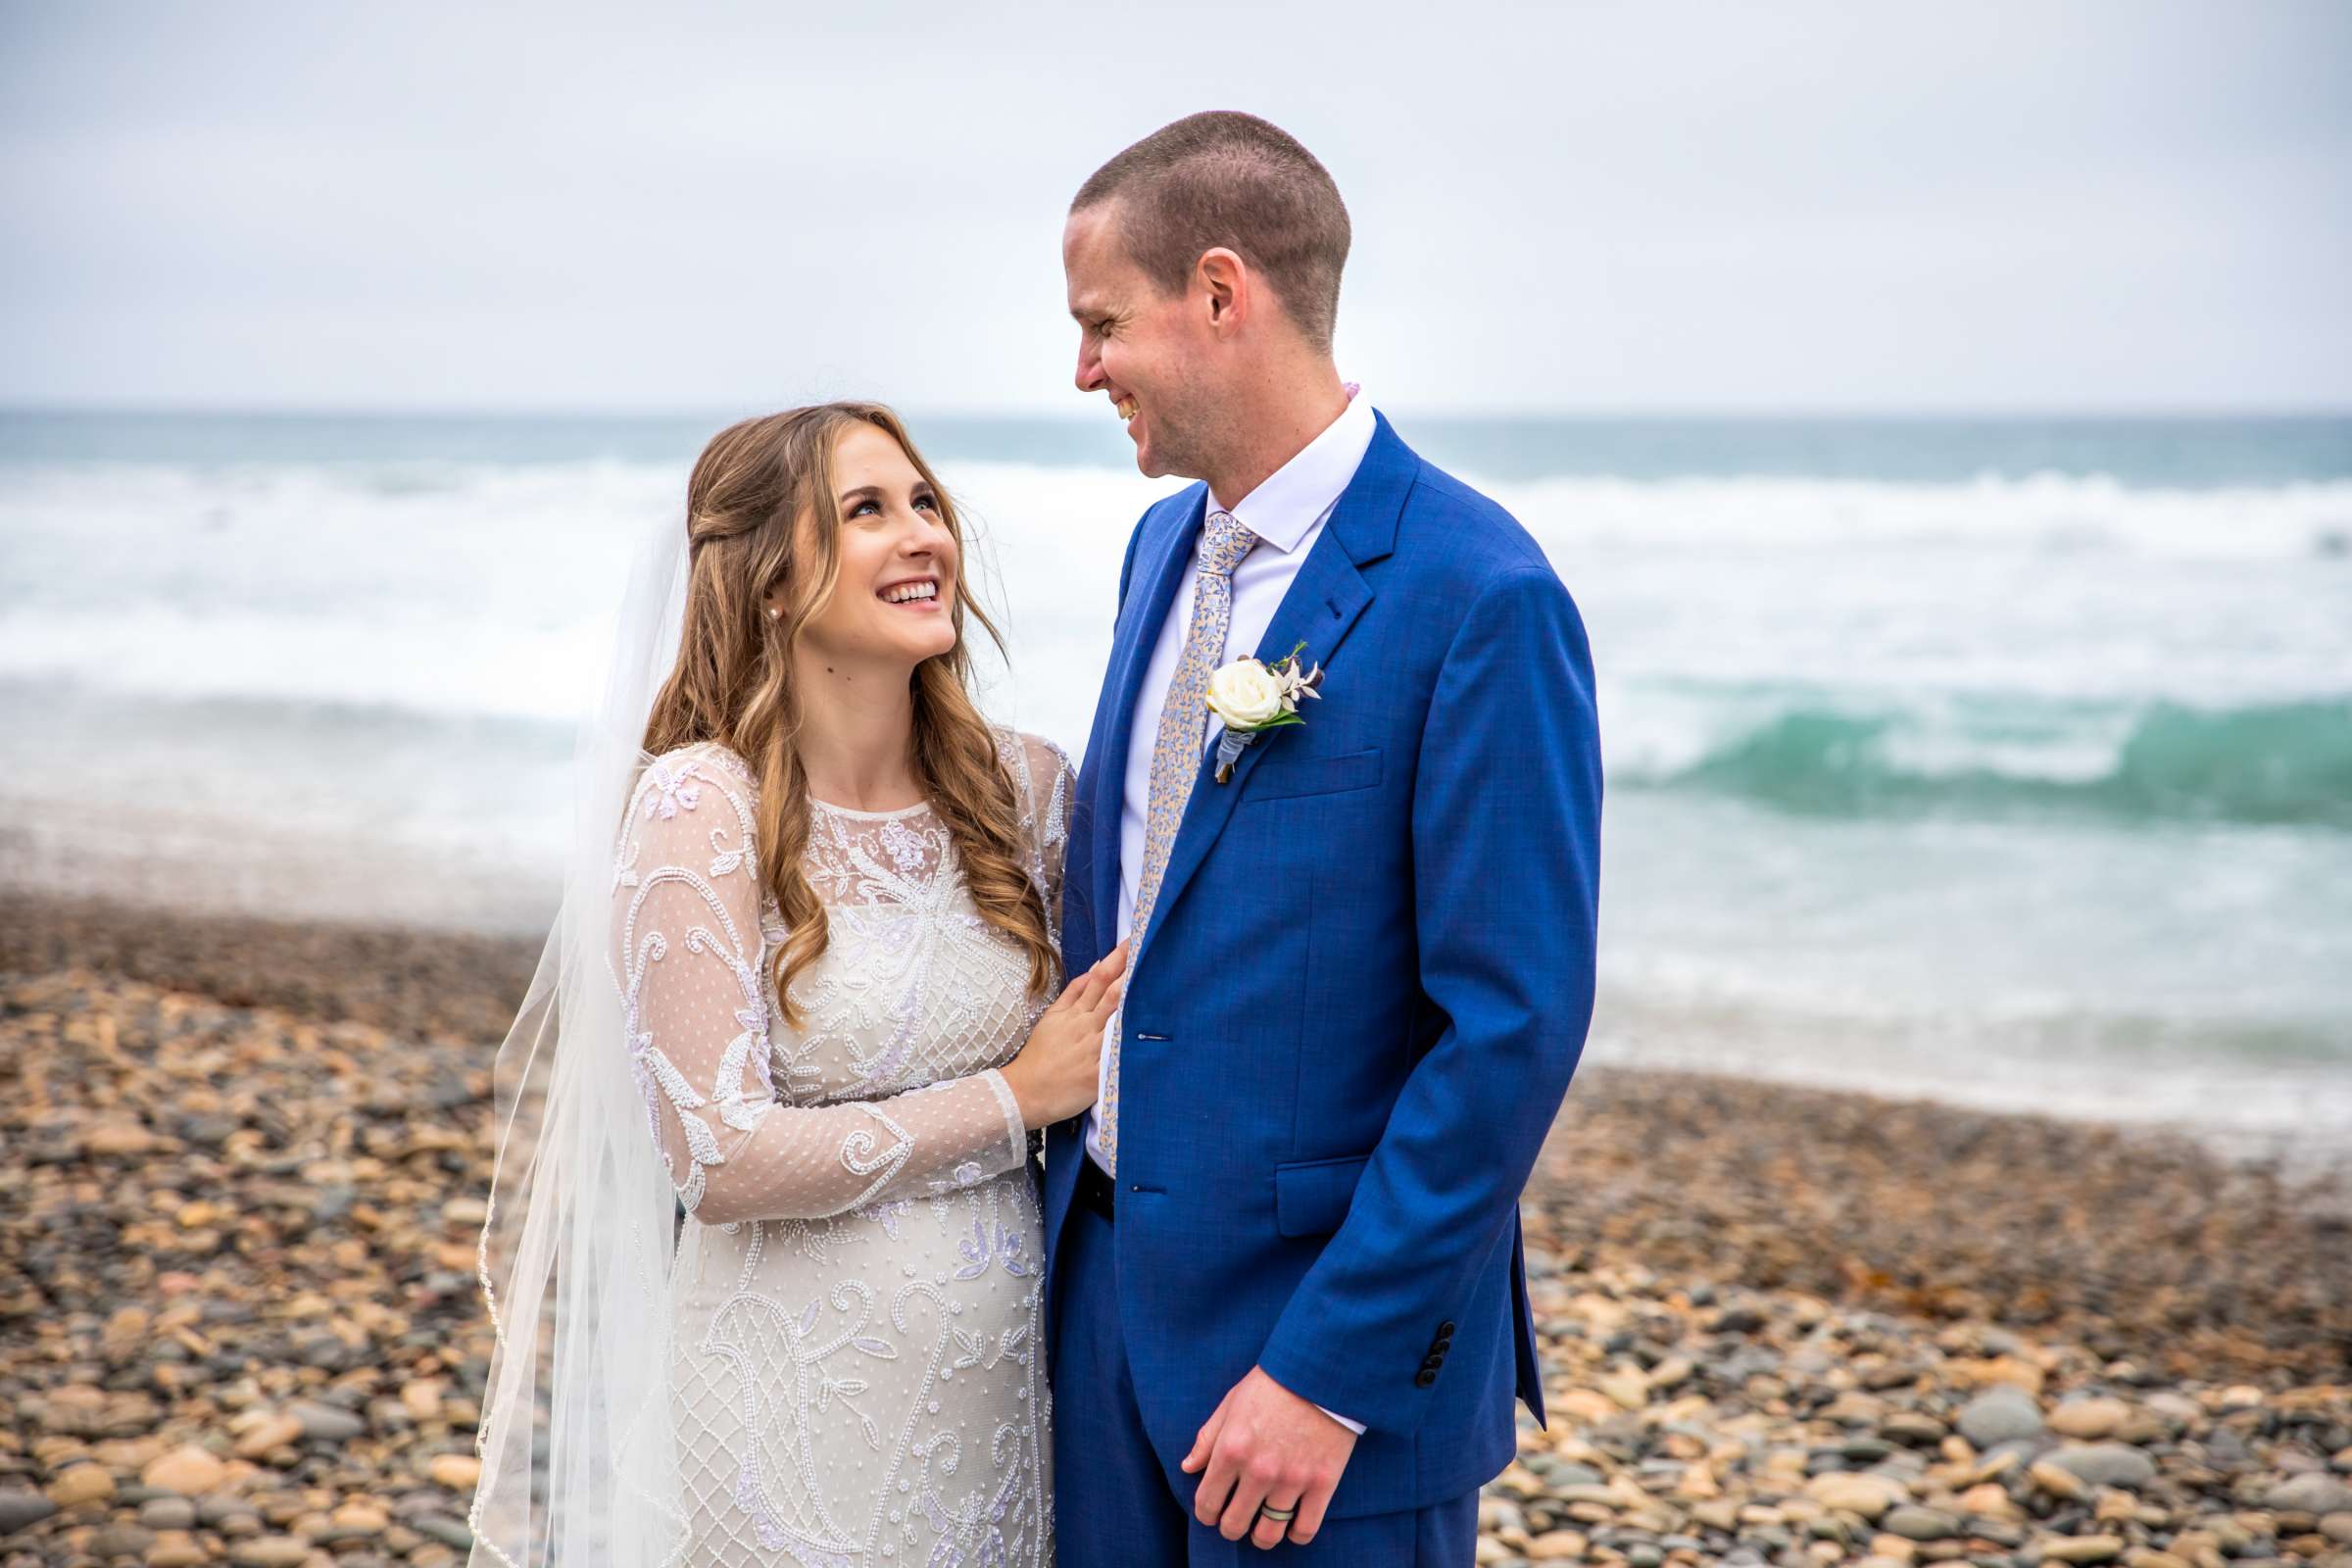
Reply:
x=1176 y=762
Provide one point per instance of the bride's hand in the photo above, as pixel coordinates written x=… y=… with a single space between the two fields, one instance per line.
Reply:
x=1054 y=1077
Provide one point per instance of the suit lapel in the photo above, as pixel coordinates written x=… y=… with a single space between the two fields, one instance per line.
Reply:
x=1150 y=594
x=1319 y=609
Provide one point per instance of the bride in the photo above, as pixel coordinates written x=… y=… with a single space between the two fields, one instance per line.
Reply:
x=803 y=988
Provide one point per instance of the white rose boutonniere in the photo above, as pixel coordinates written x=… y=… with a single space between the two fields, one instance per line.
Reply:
x=1252 y=697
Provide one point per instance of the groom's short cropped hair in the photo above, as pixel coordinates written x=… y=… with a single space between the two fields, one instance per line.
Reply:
x=1232 y=179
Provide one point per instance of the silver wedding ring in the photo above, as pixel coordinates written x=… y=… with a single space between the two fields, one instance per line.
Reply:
x=1281 y=1516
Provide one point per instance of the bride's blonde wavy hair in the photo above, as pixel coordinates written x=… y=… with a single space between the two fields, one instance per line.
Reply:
x=733 y=683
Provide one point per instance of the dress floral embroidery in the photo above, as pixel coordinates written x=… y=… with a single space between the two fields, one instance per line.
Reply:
x=856 y=1292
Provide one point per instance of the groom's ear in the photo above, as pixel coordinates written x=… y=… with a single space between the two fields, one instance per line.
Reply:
x=1223 y=279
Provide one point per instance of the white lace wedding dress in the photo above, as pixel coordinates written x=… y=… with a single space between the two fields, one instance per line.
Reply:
x=858 y=1376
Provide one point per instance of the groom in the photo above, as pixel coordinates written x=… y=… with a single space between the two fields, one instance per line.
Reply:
x=1286 y=1304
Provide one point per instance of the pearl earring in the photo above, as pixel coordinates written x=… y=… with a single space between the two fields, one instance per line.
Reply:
x=773 y=614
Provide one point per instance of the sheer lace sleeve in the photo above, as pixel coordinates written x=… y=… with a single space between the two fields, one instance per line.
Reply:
x=689 y=963
x=1047 y=784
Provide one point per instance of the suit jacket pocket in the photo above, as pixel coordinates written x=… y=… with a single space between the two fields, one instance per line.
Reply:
x=1311 y=1196
x=1279 y=777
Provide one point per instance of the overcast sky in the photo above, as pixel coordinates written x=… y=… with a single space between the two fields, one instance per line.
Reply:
x=1649 y=207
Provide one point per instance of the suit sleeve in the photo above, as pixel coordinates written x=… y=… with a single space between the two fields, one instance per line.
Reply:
x=1506 y=845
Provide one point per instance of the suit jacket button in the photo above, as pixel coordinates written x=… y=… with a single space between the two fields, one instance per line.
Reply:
x=1433 y=1362
x=1441 y=1344
x=1424 y=1378
x=1446 y=1329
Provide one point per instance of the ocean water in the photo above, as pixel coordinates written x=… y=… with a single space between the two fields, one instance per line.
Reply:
x=2005 y=761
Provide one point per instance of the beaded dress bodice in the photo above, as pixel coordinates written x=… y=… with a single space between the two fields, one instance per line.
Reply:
x=857 y=1379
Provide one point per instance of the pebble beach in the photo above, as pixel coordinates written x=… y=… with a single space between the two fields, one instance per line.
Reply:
x=242 y=1167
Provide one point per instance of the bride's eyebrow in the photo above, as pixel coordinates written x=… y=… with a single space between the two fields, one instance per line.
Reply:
x=865 y=492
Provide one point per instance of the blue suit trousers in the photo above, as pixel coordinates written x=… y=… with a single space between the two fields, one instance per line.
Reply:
x=1116 y=1507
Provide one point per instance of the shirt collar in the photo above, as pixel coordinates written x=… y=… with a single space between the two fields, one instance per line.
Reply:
x=1294 y=498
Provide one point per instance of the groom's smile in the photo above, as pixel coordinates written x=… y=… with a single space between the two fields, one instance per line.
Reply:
x=1131 y=414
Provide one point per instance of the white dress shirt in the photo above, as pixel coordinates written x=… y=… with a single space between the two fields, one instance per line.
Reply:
x=1286 y=512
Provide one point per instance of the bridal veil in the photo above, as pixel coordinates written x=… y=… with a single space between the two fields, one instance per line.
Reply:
x=578 y=1457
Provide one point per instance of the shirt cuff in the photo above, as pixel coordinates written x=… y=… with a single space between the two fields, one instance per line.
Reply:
x=1356 y=1427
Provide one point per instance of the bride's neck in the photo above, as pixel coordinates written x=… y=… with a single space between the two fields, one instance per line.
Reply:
x=857 y=740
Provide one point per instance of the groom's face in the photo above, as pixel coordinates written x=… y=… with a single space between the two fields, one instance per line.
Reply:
x=1139 y=347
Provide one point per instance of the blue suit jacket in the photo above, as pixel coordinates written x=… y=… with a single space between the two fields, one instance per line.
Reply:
x=1363 y=992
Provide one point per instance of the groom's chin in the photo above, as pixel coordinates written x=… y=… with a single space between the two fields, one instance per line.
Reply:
x=1146 y=455
x=1151 y=464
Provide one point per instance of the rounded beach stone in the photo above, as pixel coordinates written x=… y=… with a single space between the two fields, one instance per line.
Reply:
x=81 y=1483
x=176 y=1548
x=273 y=1433
x=1999 y=1415
x=2057 y=1479
x=19 y=1509
x=2105 y=1464
x=167 y=1513
x=121 y=1540
x=327 y=1422
x=457 y=1471
x=1865 y=1494
x=2090 y=1417
x=2311 y=1492
x=1914 y=1427
x=1914 y=1523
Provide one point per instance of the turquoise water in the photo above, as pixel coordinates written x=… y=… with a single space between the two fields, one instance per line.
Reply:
x=2007 y=760
x=2289 y=763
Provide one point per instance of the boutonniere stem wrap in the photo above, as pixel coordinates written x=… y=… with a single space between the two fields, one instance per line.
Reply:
x=1252 y=697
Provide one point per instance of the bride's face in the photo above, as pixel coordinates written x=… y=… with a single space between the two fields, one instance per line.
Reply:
x=893 y=600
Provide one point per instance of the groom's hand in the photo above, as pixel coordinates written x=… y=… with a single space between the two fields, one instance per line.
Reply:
x=1266 y=1444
